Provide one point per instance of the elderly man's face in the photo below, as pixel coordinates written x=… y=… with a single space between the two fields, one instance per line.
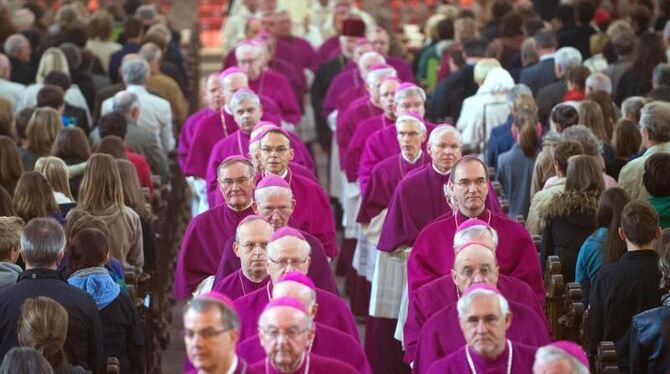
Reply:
x=299 y=292
x=410 y=136
x=250 y=61
x=560 y=366
x=276 y=152
x=283 y=26
x=247 y=114
x=410 y=104
x=236 y=185
x=445 y=152
x=474 y=264
x=484 y=326
x=288 y=255
x=285 y=335
x=373 y=91
x=359 y=50
x=250 y=247
x=232 y=84
x=380 y=42
x=386 y=94
x=276 y=208
x=470 y=187
x=213 y=93
x=209 y=345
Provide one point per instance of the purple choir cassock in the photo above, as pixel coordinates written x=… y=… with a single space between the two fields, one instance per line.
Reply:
x=357 y=144
x=237 y=143
x=523 y=357
x=401 y=66
x=295 y=78
x=333 y=312
x=242 y=368
x=314 y=364
x=297 y=50
x=360 y=110
x=440 y=293
x=319 y=269
x=187 y=134
x=432 y=254
x=275 y=87
x=382 y=144
x=202 y=247
x=328 y=342
x=347 y=78
x=442 y=334
x=418 y=200
x=344 y=100
x=236 y=284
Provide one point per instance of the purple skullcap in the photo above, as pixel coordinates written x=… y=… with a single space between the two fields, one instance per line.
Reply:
x=274 y=128
x=410 y=116
x=380 y=67
x=218 y=297
x=287 y=231
x=252 y=217
x=298 y=277
x=230 y=71
x=250 y=43
x=406 y=85
x=471 y=222
x=573 y=349
x=272 y=180
x=481 y=286
x=353 y=27
x=236 y=158
x=286 y=301
x=474 y=242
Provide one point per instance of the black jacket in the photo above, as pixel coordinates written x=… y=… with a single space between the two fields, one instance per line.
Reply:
x=123 y=334
x=539 y=75
x=84 y=337
x=578 y=37
x=650 y=341
x=622 y=290
x=449 y=94
x=570 y=217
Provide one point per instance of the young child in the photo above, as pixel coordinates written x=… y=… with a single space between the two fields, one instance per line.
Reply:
x=10 y=242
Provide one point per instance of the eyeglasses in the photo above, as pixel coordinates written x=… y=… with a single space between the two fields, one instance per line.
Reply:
x=239 y=181
x=273 y=333
x=278 y=150
x=469 y=272
x=267 y=211
x=466 y=183
x=411 y=134
x=249 y=247
x=285 y=262
x=207 y=333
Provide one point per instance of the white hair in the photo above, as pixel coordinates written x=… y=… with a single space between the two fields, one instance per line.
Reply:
x=243 y=96
x=272 y=246
x=261 y=194
x=256 y=49
x=362 y=61
x=549 y=353
x=567 y=57
x=441 y=131
x=474 y=232
x=379 y=74
x=403 y=93
x=599 y=82
x=14 y=43
x=408 y=118
x=464 y=302
x=150 y=52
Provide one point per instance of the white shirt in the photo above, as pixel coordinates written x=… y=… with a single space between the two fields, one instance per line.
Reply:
x=11 y=91
x=155 y=115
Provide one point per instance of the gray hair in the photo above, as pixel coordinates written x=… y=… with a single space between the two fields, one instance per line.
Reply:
x=465 y=302
x=549 y=353
x=661 y=75
x=232 y=161
x=633 y=105
x=567 y=57
x=135 y=70
x=368 y=55
x=229 y=318
x=125 y=101
x=599 y=82
x=256 y=49
x=243 y=96
x=150 y=52
x=379 y=74
x=146 y=12
x=14 y=43
x=25 y=360
x=655 y=118
x=403 y=93
x=263 y=193
x=42 y=242
x=518 y=89
x=475 y=232
x=272 y=246
x=442 y=130
x=408 y=118
x=584 y=136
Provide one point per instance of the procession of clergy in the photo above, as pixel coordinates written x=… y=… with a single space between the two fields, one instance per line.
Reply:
x=443 y=280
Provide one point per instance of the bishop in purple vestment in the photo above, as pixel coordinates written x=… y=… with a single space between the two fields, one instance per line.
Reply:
x=487 y=324
x=202 y=245
x=432 y=254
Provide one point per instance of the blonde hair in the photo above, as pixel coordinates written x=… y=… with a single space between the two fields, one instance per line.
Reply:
x=34 y=197
x=101 y=186
x=465 y=28
x=483 y=67
x=42 y=130
x=591 y=116
x=10 y=235
x=55 y=171
x=132 y=192
x=11 y=166
x=53 y=59
x=43 y=325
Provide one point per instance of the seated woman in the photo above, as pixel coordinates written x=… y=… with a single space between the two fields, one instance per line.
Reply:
x=570 y=216
x=656 y=180
x=43 y=326
x=34 y=197
x=604 y=246
x=55 y=171
x=88 y=252
x=649 y=343
x=101 y=195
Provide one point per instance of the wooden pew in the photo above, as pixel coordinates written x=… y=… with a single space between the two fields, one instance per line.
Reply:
x=606 y=360
x=555 y=293
x=572 y=321
x=113 y=365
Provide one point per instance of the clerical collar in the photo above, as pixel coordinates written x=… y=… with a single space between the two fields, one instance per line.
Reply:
x=233 y=366
x=480 y=217
x=413 y=161
x=439 y=172
x=283 y=175
x=510 y=354
x=227 y=109
x=243 y=209
x=304 y=360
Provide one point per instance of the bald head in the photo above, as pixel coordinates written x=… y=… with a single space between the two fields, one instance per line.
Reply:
x=232 y=83
x=298 y=291
x=474 y=264
x=251 y=239
x=296 y=331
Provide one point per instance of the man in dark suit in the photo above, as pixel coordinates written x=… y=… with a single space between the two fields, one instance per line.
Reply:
x=579 y=34
x=542 y=73
x=564 y=59
x=17 y=48
x=449 y=94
